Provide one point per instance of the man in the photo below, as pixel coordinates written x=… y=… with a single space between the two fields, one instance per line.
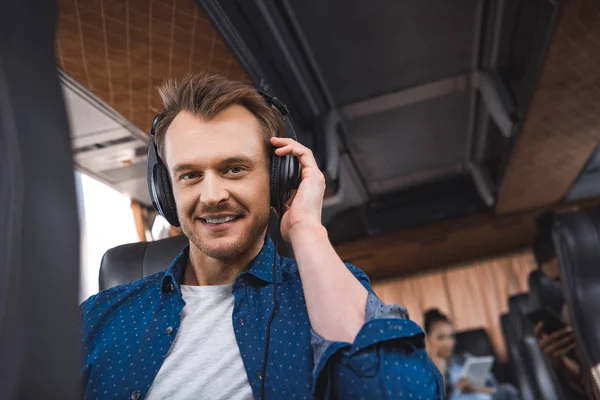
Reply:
x=199 y=329
x=560 y=346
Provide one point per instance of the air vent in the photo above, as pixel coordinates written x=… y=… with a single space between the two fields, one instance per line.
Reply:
x=103 y=145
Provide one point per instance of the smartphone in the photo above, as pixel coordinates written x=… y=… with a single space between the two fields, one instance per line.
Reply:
x=551 y=321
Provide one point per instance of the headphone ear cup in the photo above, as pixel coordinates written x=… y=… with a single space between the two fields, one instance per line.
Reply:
x=285 y=177
x=289 y=177
x=164 y=193
x=274 y=182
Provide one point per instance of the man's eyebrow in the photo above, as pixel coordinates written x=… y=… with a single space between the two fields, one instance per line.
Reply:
x=237 y=160
x=226 y=161
x=182 y=167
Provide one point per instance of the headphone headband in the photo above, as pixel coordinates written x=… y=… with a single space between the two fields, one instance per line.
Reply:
x=157 y=119
x=270 y=100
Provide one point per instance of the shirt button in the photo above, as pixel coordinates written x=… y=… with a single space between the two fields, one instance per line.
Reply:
x=171 y=287
x=242 y=321
x=135 y=395
x=169 y=330
x=260 y=377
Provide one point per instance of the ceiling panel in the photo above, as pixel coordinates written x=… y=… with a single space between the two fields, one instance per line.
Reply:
x=84 y=118
x=367 y=49
x=105 y=145
x=406 y=146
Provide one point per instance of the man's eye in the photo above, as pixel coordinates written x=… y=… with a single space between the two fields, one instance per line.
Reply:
x=188 y=176
x=236 y=170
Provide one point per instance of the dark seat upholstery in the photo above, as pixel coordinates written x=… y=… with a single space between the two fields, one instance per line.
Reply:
x=520 y=376
x=477 y=342
x=528 y=355
x=474 y=341
x=130 y=262
x=577 y=241
x=544 y=293
x=513 y=334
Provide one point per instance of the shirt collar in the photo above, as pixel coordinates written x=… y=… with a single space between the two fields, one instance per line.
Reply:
x=261 y=267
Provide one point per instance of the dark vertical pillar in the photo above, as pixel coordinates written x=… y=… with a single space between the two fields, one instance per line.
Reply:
x=39 y=233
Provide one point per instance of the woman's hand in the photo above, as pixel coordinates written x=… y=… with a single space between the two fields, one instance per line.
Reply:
x=464 y=385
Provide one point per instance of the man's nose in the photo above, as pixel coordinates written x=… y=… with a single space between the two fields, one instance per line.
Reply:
x=213 y=190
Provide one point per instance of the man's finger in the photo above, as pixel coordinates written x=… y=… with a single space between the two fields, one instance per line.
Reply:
x=281 y=142
x=304 y=155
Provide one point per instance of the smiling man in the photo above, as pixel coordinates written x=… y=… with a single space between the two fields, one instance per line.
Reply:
x=209 y=327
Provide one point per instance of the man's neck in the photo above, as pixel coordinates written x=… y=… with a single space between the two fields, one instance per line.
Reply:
x=203 y=270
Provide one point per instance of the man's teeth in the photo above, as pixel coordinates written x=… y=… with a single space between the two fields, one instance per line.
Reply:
x=220 y=220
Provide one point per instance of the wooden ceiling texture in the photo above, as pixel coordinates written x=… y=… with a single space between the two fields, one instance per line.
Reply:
x=562 y=127
x=121 y=50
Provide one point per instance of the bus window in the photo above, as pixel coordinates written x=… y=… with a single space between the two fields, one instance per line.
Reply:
x=106 y=221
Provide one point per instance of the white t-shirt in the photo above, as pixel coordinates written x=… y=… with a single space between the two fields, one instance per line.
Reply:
x=204 y=361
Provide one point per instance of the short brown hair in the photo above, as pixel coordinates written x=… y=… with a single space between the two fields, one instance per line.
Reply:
x=205 y=96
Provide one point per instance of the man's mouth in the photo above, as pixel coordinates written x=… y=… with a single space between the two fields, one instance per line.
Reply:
x=219 y=220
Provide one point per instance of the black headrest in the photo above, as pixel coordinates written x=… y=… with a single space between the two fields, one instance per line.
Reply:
x=519 y=306
x=474 y=341
x=544 y=292
x=131 y=262
x=577 y=238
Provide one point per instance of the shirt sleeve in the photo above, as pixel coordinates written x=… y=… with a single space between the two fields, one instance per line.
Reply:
x=386 y=360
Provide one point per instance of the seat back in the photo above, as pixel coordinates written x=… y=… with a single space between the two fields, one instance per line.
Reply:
x=475 y=342
x=543 y=380
x=130 y=262
x=520 y=375
x=519 y=306
x=544 y=293
x=577 y=241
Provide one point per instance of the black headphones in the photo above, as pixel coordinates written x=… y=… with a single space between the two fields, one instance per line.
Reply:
x=285 y=171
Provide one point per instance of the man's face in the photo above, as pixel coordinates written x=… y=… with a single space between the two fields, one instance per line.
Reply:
x=220 y=175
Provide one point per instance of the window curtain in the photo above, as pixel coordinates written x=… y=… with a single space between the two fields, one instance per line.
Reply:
x=472 y=295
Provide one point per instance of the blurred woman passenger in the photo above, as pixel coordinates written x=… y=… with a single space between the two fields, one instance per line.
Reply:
x=440 y=346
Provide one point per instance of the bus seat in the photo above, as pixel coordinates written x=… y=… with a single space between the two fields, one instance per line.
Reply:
x=518 y=307
x=544 y=293
x=528 y=354
x=577 y=240
x=130 y=262
x=520 y=375
x=475 y=342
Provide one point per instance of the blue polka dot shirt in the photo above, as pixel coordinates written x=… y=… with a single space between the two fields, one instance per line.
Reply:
x=127 y=332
